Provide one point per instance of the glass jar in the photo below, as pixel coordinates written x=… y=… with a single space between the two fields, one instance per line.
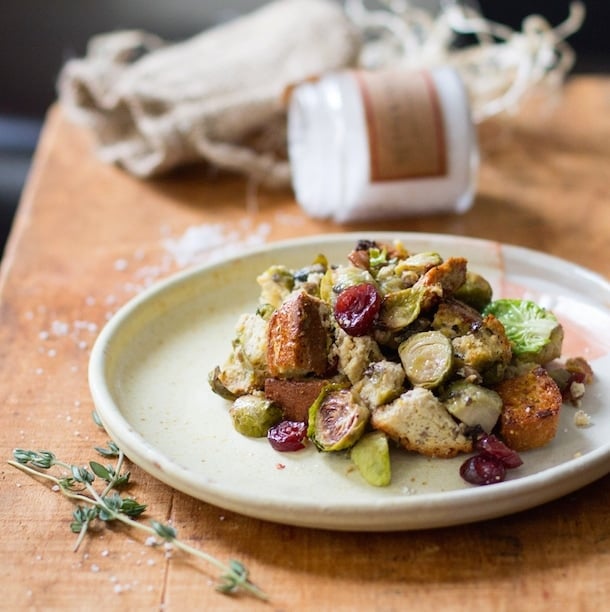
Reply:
x=386 y=143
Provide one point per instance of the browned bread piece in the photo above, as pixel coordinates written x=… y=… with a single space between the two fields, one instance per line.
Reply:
x=450 y=275
x=442 y=281
x=294 y=397
x=530 y=416
x=297 y=338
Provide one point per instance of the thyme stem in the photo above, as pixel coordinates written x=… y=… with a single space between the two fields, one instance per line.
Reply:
x=109 y=505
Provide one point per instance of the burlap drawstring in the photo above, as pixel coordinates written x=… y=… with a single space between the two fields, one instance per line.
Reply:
x=217 y=97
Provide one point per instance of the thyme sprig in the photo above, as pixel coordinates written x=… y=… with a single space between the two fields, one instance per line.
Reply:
x=106 y=505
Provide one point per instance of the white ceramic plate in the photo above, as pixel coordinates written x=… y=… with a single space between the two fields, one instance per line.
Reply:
x=148 y=377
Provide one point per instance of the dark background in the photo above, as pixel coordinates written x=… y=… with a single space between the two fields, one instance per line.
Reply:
x=38 y=36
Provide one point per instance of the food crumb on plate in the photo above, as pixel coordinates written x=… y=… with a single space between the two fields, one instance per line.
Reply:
x=581 y=419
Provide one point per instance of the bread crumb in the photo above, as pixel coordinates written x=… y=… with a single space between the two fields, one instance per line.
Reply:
x=581 y=419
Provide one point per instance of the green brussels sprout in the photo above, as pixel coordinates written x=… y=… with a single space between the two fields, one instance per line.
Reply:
x=218 y=387
x=473 y=404
x=276 y=283
x=401 y=308
x=253 y=415
x=338 y=279
x=535 y=333
x=427 y=358
x=371 y=455
x=381 y=382
x=420 y=262
x=476 y=291
x=336 y=419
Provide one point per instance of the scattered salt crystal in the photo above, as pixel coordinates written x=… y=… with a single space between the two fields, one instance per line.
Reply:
x=213 y=242
x=104 y=553
x=90 y=300
x=150 y=541
x=38 y=371
x=82 y=344
x=77 y=403
x=286 y=219
x=51 y=352
x=95 y=568
x=43 y=335
x=60 y=328
x=121 y=264
x=150 y=562
x=110 y=299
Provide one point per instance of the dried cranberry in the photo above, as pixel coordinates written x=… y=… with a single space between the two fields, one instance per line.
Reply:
x=288 y=436
x=483 y=469
x=491 y=445
x=357 y=308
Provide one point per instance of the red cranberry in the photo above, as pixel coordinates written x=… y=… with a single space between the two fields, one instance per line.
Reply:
x=357 y=308
x=491 y=445
x=288 y=436
x=483 y=469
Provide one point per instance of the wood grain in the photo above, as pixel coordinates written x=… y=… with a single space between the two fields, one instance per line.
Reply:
x=88 y=237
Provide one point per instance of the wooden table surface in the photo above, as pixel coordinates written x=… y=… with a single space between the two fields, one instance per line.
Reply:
x=88 y=237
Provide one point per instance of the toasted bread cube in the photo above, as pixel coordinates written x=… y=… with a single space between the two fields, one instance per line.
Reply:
x=530 y=414
x=298 y=338
x=419 y=422
x=450 y=275
x=294 y=397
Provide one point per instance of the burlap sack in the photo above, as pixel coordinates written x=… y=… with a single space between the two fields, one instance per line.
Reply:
x=217 y=96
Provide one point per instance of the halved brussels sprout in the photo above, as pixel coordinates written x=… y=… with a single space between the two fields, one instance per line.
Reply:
x=381 y=382
x=371 y=455
x=253 y=415
x=336 y=419
x=473 y=404
x=401 y=308
x=427 y=358
x=420 y=262
x=476 y=291
x=338 y=279
x=217 y=385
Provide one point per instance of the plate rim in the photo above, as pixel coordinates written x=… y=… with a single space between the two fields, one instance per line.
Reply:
x=342 y=516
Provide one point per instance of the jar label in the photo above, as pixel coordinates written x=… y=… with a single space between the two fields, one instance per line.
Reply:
x=404 y=123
